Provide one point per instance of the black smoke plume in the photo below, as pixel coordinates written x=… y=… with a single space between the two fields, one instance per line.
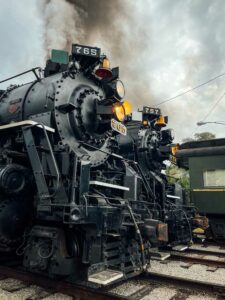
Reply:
x=109 y=25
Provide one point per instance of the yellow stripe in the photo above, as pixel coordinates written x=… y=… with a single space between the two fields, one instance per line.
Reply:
x=208 y=190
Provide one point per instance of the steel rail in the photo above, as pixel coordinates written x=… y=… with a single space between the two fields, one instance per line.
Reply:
x=185 y=282
x=82 y=293
x=205 y=251
x=77 y=291
x=198 y=259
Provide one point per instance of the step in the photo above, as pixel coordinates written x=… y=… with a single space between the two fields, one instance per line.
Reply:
x=111 y=253
x=105 y=277
x=112 y=234
x=159 y=255
x=180 y=248
x=111 y=245
x=132 y=224
x=42 y=149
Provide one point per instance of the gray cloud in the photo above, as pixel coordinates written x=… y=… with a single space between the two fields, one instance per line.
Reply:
x=106 y=24
x=21 y=38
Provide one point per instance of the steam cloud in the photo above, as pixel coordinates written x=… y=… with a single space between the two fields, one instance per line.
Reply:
x=88 y=21
x=101 y=23
x=162 y=47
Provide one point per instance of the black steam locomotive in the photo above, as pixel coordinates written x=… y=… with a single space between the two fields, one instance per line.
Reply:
x=82 y=195
x=149 y=144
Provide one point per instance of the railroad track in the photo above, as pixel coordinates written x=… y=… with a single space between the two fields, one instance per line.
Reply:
x=50 y=286
x=197 y=257
x=215 y=250
x=182 y=283
x=219 y=243
x=144 y=286
x=179 y=288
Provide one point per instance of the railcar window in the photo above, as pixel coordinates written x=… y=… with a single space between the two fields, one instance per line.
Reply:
x=214 y=178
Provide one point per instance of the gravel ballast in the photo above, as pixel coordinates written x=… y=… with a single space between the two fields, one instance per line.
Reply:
x=195 y=272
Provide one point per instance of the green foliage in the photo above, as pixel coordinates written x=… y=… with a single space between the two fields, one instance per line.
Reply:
x=201 y=136
x=175 y=174
x=204 y=136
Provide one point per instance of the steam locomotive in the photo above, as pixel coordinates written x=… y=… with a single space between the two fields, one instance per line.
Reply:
x=150 y=145
x=81 y=191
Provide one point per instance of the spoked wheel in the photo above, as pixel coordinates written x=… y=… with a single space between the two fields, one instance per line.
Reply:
x=14 y=218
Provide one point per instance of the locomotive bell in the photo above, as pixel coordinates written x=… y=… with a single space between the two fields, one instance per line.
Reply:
x=104 y=70
x=161 y=121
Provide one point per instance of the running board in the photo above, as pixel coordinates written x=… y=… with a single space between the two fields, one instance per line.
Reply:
x=25 y=123
x=105 y=184
x=105 y=277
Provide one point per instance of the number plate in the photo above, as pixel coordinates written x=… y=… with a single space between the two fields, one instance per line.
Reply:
x=151 y=110
x=85 y=50
x=119 y=127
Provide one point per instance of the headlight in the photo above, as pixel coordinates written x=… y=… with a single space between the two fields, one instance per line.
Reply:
x=119 y=89
x=114 y=90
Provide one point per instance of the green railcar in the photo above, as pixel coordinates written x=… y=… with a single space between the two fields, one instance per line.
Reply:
x=206 y=163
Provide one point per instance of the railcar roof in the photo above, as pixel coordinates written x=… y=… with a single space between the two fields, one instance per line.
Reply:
x=203 y=144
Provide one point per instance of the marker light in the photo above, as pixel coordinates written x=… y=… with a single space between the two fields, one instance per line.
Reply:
x=104 y=70
x=121 y=110
x=174 y=149
x=127 y=107
x=145 y=122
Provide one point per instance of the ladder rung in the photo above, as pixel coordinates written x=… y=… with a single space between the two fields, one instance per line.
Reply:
x=42 y=149
x=49 y=175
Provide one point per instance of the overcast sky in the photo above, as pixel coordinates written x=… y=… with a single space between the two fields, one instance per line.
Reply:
x=167 y=47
